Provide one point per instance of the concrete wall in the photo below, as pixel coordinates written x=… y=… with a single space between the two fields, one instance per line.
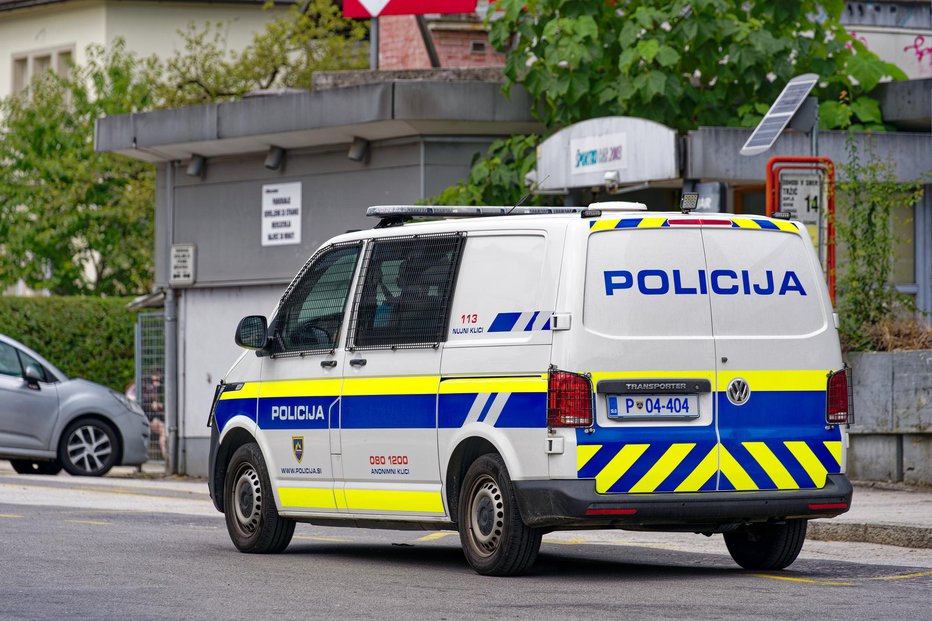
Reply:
x=891 y=438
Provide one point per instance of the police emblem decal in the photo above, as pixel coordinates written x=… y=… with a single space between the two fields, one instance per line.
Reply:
x=297 y=445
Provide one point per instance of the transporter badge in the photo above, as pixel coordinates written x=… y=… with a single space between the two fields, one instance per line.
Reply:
x=297 y=445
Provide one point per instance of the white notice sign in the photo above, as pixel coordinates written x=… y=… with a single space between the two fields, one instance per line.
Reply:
x=281 y=214
x=801 y=195
x=182 y=265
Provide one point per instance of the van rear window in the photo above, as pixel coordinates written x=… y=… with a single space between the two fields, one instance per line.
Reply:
x=696 y=282
x=643 y=282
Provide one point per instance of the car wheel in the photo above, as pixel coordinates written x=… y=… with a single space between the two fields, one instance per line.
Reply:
x=35 y=467
x=767 y=546
x=495 y=539
x=88 y=448
x=249 y=505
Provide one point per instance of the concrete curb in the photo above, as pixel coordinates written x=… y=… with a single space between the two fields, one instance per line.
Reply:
x=885 y=534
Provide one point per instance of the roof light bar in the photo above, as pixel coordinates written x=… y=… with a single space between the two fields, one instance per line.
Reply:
x=462 y=211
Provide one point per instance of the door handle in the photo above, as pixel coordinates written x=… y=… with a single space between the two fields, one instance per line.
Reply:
x=328 y=364
x=358 y=362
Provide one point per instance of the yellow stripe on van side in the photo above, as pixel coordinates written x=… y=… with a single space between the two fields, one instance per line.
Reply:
x=249 y=391
x=307 y=497
x=734 y=472
x=651 y=223
x=667 y=463
x=746 y=223
x=619 y=465
x=401 y=501
x=416 y=385
x=776 y=380
x=834 y=447
x=467 y=385
x=703 y=472
x=328 y=387
x=777 y=472
x=603 y=225
x=783 y=225
x=808 y=460
x=585 y=452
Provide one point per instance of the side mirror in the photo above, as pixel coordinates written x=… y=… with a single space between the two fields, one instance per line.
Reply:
x=34 y=375
x=252 y=332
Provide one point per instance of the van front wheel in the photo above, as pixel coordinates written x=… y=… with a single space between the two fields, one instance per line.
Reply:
x=249 y=507
x=495 y=539
x=767 y=546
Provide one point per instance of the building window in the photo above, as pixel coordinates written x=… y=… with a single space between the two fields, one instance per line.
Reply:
x=29 y=65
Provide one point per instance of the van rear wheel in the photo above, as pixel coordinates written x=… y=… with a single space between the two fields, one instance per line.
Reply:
x=495 y=539
x=767 y=546
x=249 y=506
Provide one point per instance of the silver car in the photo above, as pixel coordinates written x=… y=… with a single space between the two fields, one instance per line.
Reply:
x=49 y=422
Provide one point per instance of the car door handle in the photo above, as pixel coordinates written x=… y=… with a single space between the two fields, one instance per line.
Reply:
x=328 y=364
x=358 y=362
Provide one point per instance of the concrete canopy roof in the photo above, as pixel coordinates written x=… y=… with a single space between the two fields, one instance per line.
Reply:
x=313 y=118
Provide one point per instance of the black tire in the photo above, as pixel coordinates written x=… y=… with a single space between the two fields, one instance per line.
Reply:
x=495 y=540
x=767 y=546
x=22 y=466
x=88 y=448
x=249 y=505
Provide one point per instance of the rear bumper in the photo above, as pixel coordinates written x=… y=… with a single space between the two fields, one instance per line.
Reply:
x=575 y=504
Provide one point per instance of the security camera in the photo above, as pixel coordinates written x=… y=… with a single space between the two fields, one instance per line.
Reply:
x=611 y=180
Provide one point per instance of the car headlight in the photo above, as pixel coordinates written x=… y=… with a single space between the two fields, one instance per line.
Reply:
x=128 y=403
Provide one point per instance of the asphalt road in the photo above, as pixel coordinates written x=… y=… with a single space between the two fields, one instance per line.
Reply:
x=70 y=549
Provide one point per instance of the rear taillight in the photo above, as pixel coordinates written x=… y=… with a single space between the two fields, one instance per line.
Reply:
x=569 y=400
x=838 y=407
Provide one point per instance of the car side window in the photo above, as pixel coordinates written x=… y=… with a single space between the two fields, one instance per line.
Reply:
x=312 y=313
x=404 y=299
x=9 y=361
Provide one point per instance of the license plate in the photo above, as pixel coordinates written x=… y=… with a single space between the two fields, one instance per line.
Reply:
x=653 y=406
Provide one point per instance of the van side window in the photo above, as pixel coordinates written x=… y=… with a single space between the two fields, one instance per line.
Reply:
x=312 y=313
x=404 y=299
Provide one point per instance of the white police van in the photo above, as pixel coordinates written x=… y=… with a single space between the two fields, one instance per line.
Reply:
x=563 y=368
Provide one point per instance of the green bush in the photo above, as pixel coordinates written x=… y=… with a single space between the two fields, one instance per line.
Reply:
x=84 y=337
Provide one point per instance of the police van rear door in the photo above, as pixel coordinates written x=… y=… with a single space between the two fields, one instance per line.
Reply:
x=775 y=345
x=646 y=338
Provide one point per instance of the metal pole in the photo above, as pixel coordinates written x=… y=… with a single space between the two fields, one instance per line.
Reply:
x=171 y=340
x=374 y=44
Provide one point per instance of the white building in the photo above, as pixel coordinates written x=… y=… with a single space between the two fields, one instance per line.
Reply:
x=38 y=35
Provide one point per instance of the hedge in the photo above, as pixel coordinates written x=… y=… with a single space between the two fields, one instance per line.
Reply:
x=84 y=337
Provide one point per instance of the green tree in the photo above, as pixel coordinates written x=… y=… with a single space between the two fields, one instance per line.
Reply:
x=72 y=220
x=685 y=64
x=310 y=37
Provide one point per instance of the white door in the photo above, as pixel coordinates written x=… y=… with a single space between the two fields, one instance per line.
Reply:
x=388 y=429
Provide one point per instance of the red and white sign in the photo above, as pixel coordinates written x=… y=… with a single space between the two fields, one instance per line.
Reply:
x=374 y=8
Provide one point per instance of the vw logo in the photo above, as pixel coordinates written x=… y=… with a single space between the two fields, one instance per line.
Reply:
x=738 y=391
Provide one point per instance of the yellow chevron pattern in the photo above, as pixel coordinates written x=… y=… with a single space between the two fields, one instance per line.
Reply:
x=719 y=458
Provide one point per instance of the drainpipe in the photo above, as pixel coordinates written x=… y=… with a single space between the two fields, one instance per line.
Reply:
x=171 y=339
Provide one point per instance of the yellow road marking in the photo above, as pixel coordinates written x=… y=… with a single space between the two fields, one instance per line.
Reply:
x=918 y=574
x=438 y=535
x=9 y=515
x=804 y=580
x=94 y=522
x=327 y=539
x=619 y=464
x=663 y=468
x=106 y=490
x=771 y=465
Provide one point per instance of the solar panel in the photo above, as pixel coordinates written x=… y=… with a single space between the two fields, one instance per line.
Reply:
x=780 y=113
